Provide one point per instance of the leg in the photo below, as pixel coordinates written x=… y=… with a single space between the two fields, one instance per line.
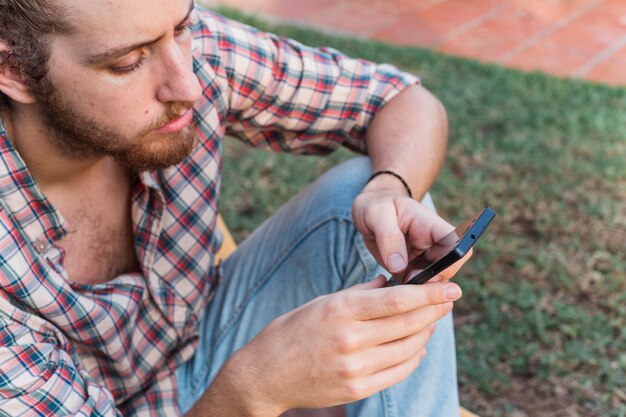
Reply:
x=309 y=248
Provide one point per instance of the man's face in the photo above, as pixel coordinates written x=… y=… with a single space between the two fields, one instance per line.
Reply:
x=122 y=84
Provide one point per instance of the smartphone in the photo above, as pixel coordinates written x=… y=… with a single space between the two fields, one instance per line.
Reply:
x=446 y=251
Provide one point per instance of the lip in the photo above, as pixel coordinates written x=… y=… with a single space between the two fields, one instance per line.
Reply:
x=177 y=125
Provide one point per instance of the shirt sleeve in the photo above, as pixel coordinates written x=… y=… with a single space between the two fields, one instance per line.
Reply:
x=37 y=378
x=287 y=96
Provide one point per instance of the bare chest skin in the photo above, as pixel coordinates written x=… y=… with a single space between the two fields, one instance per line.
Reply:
x=99 y=244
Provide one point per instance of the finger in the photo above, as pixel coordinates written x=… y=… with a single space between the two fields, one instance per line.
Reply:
x=384 y=356
x=382 y=222
x=423 y=226
x=387 y=377
x=383 y=302
x=402 y=325
x=370 y=244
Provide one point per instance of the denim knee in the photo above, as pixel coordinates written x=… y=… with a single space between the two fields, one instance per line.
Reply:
x=338 y=187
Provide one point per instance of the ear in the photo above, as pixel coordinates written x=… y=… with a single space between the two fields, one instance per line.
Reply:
x=12 y=81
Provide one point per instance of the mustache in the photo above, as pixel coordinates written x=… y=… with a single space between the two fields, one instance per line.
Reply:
x=173 y=112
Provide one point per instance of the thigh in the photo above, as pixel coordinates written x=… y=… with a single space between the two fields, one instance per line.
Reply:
x=309 y=247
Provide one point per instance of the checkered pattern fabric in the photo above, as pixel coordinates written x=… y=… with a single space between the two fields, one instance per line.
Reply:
x=113 y=348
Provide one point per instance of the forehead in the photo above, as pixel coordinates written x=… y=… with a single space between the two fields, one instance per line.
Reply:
x=108 y=22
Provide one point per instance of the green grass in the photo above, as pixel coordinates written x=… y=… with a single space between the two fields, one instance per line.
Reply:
x=541 y=328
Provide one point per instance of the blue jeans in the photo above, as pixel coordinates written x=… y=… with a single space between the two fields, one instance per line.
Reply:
x=308 y=248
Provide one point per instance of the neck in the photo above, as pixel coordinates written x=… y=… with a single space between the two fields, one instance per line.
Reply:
x=50 y=167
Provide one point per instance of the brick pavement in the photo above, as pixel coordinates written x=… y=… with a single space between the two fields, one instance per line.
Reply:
x=569 y=38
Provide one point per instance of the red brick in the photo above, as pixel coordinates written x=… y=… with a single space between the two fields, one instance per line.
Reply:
x=438 y=23
x=300 y=10
x=431 y=25
x=611 y=71
x=358 y=18
x=551 y=58
x=496 y=36
x=591 y=33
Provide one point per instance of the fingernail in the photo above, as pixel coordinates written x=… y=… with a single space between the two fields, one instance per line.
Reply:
x=452 y=292
x=395 y=262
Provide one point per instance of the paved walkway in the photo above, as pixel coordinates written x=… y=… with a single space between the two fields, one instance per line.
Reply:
x=570 y=38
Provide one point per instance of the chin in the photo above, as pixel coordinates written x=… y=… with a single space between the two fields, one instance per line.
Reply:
x=158 y=154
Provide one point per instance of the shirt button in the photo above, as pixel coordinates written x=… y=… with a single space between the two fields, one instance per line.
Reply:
x=41 y=245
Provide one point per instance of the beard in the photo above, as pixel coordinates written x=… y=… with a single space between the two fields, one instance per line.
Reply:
x=81 y=137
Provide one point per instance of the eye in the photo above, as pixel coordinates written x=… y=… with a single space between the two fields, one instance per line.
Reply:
x=188 y=25
x=125 y=69
x=179 y=30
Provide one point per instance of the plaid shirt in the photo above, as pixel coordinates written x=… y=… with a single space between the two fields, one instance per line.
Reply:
x=113 y=348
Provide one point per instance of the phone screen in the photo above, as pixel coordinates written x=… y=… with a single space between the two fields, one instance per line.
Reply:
x=445 y=251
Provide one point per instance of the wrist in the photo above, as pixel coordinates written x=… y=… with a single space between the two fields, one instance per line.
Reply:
x=388 y=179
x=234 y=393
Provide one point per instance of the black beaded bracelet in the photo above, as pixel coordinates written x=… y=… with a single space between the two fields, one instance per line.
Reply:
x=389 y=172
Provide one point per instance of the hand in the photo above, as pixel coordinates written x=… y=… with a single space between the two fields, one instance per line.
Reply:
x=338 y=348
x=396 y=228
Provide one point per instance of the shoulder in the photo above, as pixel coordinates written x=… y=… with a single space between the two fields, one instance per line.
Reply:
x=218 y=37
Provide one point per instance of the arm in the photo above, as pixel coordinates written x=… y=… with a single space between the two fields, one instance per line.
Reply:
x=284 y=96
x=336 y=349
x=288 y=97
x=408 y=136
x=39 y=378
x=345 y=346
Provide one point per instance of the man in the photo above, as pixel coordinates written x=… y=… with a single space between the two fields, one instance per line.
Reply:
x=113 y=113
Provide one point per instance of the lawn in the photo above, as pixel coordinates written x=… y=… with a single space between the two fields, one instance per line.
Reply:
x=541 y=329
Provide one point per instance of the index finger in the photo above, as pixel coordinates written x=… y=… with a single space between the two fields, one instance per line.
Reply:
x=382 y=302
x=382 y=220
x=425 y=227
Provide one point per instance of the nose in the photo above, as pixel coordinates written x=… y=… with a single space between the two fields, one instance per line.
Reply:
x=180 y=83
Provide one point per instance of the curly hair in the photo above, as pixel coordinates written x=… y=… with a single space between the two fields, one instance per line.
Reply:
x=25 y=29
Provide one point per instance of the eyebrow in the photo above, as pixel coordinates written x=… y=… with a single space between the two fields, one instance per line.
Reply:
x=117 y=52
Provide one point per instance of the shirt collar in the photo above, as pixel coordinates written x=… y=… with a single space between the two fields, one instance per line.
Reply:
x=22 y=199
